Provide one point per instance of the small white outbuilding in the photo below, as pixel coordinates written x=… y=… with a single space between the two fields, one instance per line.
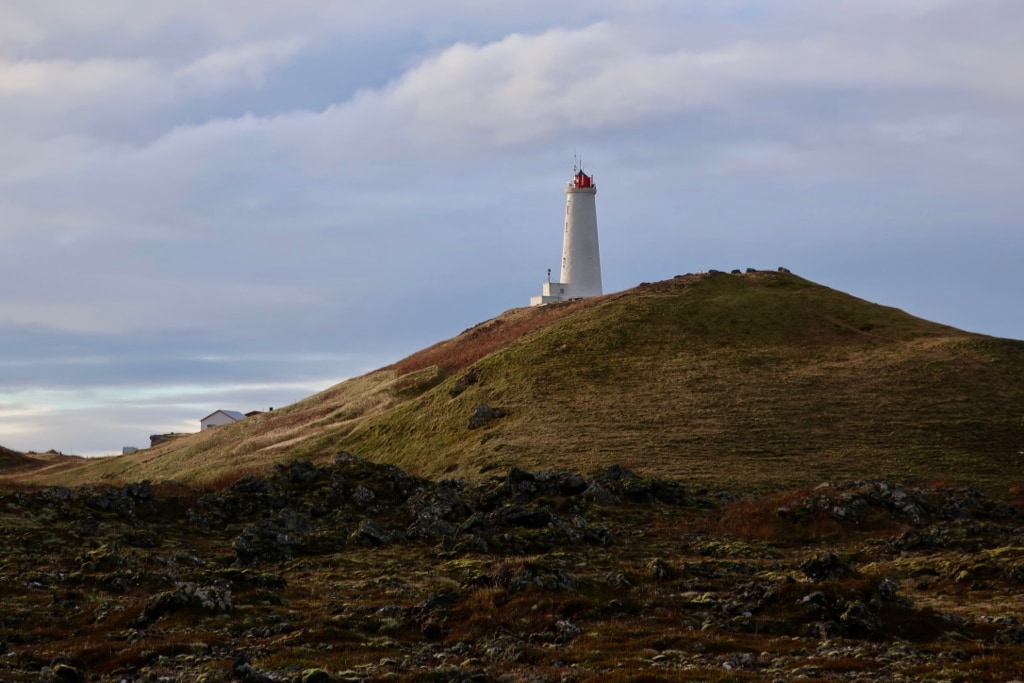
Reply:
x=220 y=417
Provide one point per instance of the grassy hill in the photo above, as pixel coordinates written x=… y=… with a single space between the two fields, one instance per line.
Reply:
x=9 y=458
x=755 y=381
x=14 y=463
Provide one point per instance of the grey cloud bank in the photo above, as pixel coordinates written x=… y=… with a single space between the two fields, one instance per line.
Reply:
x=233 y=206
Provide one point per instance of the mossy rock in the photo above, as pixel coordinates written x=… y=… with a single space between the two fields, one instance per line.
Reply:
x=316 y=676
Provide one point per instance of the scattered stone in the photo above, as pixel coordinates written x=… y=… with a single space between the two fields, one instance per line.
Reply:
x=211 y=598
x=566 y=630
x=859 y=621
x=463 y=383
x=141 y=538
x=245 y=673
x=826 y=566
x=498 y=582
x=363 y=496
x=483 y=415
x=271 y=539
x=660 y=569
x=515 y=515
x=299 y=471
x=62 y=673
x=316 y=676
x=369 y=534
x=90 y=526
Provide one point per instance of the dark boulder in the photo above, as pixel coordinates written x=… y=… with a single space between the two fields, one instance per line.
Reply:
x=298 y=472
x=271 y=539
x=463 y=383
x=571 y=484
x=369 y=535
x=483 y=414
x=63 y=673
x=518 y=516
x=826 y=566
x=141 y=538
x=860 y=621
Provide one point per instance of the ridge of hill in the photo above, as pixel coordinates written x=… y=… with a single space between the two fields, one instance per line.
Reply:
x=9 y=458
x=753 y=381
x=16 y=463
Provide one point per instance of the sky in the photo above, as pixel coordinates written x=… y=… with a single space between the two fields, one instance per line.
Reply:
x=238 y=204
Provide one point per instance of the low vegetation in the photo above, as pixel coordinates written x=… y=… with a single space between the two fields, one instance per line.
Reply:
x=361 y=572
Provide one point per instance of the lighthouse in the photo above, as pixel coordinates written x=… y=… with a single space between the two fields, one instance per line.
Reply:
x=581 y=254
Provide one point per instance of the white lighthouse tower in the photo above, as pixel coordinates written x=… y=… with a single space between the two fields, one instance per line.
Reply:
x=581 y=254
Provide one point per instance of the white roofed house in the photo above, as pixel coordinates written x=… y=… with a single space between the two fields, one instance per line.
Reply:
x=220 y=417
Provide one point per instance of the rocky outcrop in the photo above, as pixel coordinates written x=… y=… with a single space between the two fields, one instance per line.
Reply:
x=211 y=598
x=826 y=566
x=302 y=509
x=357 y=571
x=856 y=501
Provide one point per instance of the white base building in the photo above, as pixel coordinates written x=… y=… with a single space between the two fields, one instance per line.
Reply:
x=551 y=292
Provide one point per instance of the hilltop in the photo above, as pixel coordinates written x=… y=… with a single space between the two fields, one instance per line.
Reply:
x=9 y=458
x=751 y=381
x=14 y=462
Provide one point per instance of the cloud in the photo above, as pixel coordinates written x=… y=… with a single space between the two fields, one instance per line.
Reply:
x=528 y=87
x=93 y=77
x=246 y=64
x=774 y=103
x=316 y=178
x=96 y=307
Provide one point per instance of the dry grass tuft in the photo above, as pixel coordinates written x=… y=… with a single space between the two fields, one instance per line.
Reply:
x=225 y=480
x=769 y=518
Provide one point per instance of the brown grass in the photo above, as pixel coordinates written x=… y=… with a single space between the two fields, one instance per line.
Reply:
x=481 y=340
x=766 y=518
x=225 y=480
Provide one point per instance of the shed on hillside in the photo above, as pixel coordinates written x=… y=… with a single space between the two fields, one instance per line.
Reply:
x=220 y=417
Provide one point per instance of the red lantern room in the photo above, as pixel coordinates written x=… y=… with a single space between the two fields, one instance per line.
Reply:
x=583 y=180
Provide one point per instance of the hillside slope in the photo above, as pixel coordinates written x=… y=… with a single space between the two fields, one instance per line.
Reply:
x=752 y=381
x=9 y=458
